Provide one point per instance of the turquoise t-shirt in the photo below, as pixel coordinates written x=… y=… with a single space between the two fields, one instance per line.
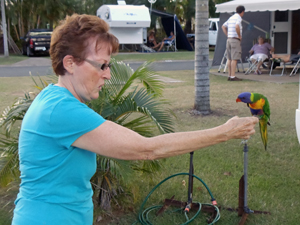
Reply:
x=55 y=176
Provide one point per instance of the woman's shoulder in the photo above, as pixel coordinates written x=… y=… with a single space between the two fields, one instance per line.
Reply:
x=54 y=96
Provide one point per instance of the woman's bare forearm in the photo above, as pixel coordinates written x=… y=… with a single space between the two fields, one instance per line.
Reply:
x=168 y=145
x=112 y=140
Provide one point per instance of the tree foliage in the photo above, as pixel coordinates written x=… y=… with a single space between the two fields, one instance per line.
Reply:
x=25 y=15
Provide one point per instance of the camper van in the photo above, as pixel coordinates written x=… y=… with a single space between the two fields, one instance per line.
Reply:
x=127 y=22
x=213 y=30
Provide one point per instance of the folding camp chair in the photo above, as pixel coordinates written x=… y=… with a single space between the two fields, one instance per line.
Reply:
x=170 y=45
x=295 y=69
x=252 y=65
x=281 y=60
x=223 y=64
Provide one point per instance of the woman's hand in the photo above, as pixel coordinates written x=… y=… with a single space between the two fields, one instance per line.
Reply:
x=240 y=128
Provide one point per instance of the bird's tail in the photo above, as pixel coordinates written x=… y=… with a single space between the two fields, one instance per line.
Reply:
x=263 y=131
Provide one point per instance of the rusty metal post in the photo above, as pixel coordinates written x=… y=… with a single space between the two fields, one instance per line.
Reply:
x=241 y=196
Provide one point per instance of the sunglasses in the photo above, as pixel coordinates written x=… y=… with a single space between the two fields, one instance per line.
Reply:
x=99 y=66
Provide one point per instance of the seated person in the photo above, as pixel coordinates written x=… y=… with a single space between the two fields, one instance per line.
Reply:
x=295 y=58
x=260 y=53
x=151 y=42
x=165 y=40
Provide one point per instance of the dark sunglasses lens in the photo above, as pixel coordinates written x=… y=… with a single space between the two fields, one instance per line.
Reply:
x=105 y=66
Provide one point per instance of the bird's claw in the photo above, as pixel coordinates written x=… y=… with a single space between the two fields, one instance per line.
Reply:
x=244 y=142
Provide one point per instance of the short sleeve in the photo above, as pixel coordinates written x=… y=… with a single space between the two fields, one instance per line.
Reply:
x=239 y=21
x=225 y=24
x=70 y=119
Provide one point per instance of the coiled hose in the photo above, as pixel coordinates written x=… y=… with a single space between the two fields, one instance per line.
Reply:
x=143 y=217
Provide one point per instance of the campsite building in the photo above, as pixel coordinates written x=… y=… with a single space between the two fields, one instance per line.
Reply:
x=278 y=20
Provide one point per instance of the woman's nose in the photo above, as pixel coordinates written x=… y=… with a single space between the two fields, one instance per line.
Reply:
x=107 y=74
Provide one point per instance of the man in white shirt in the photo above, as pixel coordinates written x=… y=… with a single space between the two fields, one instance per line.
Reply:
x=232 y=28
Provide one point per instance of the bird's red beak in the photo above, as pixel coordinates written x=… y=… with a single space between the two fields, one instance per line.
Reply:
x=238 y=100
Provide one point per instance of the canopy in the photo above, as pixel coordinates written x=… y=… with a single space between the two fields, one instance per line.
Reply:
x=259 y=5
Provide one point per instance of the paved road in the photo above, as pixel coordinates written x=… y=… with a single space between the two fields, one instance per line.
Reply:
x=23 y=68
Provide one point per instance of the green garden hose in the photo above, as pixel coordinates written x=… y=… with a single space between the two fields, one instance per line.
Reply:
x=144 y=214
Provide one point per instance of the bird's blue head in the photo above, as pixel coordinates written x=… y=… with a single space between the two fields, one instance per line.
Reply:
x=244 y=97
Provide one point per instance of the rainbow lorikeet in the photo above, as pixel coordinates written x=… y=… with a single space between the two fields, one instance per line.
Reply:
x=259 y=106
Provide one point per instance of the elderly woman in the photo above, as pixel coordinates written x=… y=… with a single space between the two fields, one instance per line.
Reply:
x=260 y=52
x=60 y=136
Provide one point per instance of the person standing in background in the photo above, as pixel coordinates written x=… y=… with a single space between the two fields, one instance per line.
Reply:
x=232 y=28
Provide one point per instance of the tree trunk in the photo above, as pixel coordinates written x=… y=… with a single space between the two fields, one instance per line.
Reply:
x=105 y=196
x=202 y=102
x=38 y=22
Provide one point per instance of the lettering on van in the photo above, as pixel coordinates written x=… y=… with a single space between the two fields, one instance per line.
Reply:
x=130 y=14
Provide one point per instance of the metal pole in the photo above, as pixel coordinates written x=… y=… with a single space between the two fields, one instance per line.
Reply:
x=245 y=174
x=6 y=53
x=246 y=209
x=191 y=172
x=190 y=187
x=175 y=32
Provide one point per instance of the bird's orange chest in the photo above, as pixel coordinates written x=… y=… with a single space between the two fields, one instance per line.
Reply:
x=258 y=104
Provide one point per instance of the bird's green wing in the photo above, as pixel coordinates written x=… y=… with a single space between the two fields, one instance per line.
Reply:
x=266 y=108
x=263 y=131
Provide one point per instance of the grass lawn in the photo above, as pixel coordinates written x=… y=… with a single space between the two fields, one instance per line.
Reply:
x=11 y=59
x=180 y=55
x=274 y=183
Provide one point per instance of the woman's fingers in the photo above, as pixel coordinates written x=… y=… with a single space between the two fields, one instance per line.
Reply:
x=241 y=128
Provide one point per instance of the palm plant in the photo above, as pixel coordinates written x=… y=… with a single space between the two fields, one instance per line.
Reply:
x=9 y=145
x=131 y=99
x=137 y=107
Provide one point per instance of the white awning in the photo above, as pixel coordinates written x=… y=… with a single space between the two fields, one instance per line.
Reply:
x=259 y=5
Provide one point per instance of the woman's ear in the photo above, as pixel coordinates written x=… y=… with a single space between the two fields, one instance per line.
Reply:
x=69 y=63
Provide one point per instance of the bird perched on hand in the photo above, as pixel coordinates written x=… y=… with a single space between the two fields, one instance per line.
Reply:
x=259 y=106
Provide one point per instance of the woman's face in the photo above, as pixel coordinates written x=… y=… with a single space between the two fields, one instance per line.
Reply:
x=88 y=78
x=260 y=41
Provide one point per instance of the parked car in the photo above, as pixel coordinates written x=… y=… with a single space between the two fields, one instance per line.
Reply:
x=36 y=41
x=213 y=30
x=212 y=33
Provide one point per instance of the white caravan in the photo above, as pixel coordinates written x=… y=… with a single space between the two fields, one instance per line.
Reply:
x=127 y=22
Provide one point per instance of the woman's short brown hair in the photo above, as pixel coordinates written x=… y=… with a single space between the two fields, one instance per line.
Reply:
x=71 y=38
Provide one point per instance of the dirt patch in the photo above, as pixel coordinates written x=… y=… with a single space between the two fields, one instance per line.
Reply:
x=215 y=112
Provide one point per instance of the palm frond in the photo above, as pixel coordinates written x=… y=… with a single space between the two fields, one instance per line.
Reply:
x=149 y=78
x=43 y=83
x=14 y=113
x=123 y=77
x=147 y=166
x=9 y=160
x=120 y=169
x=143 y=102
x=8 y=146
x=120 y=74
x=141 y=125
x=103 y=104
